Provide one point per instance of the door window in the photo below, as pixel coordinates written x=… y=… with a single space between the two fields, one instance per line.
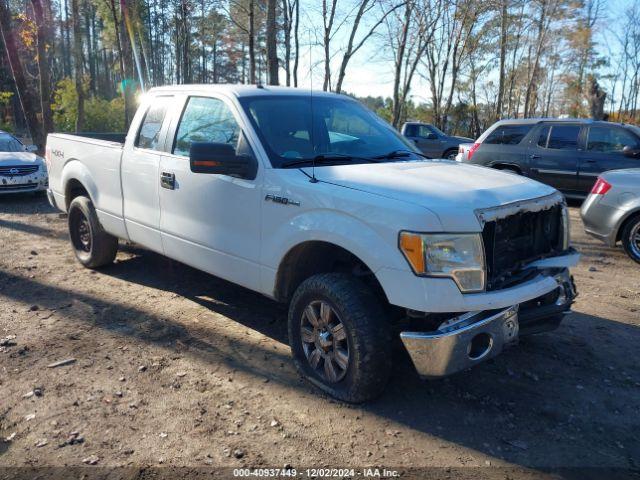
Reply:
x=564 y=137
x=610 y=139
x=424 y=131
x=149 y=133
x=508 y=134
x=205 y=120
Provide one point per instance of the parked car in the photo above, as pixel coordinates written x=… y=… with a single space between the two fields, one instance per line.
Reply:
x=21 y=170
x=612 y=210
x=567 y=154
x=315 y=201
x=431 y=141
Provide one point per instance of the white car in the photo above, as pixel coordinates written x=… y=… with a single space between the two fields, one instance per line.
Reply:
x=314 y=201
x=21 y=170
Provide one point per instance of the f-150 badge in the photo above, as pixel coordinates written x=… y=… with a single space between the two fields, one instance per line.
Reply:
x=281 y=200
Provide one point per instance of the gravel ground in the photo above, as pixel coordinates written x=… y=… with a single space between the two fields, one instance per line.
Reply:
x=176 y=368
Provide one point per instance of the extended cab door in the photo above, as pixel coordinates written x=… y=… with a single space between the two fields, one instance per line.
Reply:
x=210 y=221
x=554 y=157
x=139 y=173
x=604 y=152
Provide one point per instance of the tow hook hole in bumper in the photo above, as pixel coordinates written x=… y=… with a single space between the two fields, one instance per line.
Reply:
x=480 y=346
x=462 y=342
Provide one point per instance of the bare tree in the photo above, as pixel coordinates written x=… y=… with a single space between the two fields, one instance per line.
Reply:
x=29 y=107
x=43 y=43
x=272 y=45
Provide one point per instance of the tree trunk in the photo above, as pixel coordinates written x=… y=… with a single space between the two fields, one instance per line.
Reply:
x=29 y=107
x=43 y=66
x=272 y=44
x=296 y=40
x=77 y=58
x=597 y=97
x=252 y=39
x=503 y=55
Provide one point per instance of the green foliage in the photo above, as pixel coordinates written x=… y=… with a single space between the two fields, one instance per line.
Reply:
x=5 y=104
x=101 y=115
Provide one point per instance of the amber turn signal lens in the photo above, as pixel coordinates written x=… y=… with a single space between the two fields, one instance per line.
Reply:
x=411 y=246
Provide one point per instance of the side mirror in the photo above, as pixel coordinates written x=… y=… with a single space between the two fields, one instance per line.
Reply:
x=221 y=159
x=431 y=136
x=632 y=152
x=31 y=148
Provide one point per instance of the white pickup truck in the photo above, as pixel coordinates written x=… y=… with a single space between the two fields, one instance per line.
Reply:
x=311 y=199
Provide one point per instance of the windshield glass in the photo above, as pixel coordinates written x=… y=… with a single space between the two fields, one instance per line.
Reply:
x=9 y=143
x=294 y=128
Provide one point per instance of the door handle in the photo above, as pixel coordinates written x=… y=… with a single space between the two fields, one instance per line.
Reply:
x=533 y=157
x=168 y=180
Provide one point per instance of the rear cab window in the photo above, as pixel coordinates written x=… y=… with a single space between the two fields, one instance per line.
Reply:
x=149 y=132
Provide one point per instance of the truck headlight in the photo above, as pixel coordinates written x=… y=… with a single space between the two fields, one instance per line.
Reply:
x=459 y=256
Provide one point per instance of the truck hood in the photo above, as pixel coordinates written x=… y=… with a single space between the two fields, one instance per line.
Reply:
x=452 y=191
x=18 y=158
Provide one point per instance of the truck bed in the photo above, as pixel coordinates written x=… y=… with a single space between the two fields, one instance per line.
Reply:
x=94 y=160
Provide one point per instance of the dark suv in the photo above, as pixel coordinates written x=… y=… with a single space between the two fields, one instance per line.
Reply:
x=567 y=154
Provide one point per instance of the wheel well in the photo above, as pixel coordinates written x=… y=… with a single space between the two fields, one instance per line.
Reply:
x=456 y=149
x=74 y=189
x=314 y=257
x=630 y=218
x=507 y=166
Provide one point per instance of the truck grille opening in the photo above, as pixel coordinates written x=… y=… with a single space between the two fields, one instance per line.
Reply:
x=514 y=241
x=17 y=170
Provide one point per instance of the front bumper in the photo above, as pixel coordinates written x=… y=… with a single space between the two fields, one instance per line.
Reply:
x=35 y=182
x=468 y=339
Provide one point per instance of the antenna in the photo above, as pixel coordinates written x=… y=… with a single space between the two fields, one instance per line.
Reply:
x=313 y=160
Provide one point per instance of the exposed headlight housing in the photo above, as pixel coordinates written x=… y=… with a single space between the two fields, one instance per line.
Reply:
x=459 y=256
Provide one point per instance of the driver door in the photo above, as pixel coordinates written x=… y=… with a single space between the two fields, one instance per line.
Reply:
x=210 y=221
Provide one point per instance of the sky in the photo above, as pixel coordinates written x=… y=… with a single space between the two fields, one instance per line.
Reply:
x=370 y=71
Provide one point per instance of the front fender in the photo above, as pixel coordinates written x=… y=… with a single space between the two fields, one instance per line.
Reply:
x=373 y=248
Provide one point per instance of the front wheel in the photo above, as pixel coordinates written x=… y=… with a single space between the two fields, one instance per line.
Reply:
x=631 y=238
x=339 y=337
x=92 y=246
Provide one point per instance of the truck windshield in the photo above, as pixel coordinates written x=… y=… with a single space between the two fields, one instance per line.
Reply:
x=299 y=128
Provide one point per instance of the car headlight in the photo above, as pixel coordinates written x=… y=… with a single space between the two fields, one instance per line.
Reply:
x=459 y=256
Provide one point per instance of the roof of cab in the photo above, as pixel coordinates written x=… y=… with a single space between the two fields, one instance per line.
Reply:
x=242 y=90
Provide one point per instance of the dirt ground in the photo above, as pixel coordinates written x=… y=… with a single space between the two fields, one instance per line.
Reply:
x=175 y=368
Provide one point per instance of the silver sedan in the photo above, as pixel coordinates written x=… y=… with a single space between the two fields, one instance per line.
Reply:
x=611 y=212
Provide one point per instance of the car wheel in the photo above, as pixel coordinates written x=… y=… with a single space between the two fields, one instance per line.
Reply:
x=631 y=238
x=92 y=246
x=451 y=154
x=339 y=337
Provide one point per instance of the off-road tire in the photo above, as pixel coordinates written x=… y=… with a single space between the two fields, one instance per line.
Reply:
x=631 y=227
x=101 y=248
x=367 y=333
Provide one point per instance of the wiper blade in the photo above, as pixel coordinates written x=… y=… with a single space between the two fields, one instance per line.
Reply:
x=325 y=159
x=400 y=154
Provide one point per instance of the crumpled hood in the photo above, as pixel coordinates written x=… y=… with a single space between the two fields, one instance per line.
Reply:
x=451 y=190
x=19 y=158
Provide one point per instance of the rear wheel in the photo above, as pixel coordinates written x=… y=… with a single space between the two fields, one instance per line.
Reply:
x=339 y=338
x=631 y=238
x=451 y=154
x=92 y=246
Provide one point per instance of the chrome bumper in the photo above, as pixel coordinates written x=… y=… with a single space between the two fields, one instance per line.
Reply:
x=461 y=342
